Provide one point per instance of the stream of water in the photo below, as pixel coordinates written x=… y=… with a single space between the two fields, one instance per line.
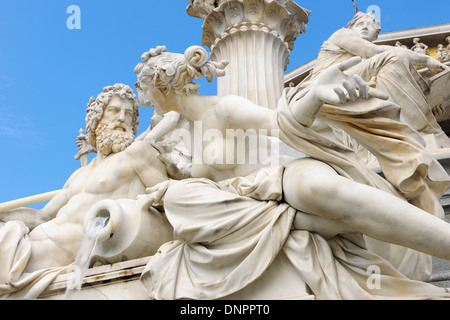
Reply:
x=84 y=255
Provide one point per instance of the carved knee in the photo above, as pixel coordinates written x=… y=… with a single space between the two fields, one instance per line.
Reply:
x=309 y=190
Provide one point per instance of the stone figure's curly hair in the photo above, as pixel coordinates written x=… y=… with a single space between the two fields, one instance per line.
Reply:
x=360 y=15
x=96 y=107
x=173 y=71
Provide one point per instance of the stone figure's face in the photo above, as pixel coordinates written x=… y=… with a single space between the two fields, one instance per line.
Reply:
x=145 y=99
x=115 y=130
x=366 y=29
x=150 y=96
x=119 y=114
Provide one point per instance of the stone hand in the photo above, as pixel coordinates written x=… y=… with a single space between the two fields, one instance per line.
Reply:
x=438 y=111
x=171 y=167
x=154 y=196
x=172 y=170
x=435 y=65
x=335 y=87
x=421 y=60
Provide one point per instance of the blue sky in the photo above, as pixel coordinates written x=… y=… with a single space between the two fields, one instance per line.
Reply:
x=48 y=72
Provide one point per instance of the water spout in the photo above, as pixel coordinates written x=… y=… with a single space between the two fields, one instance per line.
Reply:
x=84 y=254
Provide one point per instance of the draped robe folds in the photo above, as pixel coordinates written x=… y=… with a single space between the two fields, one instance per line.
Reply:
x=15 y=251
x=228 y=234
x=394 y=74
x=411 y=172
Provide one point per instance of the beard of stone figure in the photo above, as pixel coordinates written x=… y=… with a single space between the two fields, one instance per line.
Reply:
x=112 y=119
x=112 y=138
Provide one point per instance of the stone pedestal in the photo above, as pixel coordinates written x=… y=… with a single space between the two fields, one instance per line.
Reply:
x=121 y=281
x=256 y=38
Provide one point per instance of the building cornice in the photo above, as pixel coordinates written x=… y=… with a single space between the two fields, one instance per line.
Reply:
x=431 y=35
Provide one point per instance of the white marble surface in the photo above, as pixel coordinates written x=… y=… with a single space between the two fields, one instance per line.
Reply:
x=244 y=230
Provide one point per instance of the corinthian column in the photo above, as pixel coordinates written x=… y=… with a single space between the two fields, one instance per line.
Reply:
x=256 y=37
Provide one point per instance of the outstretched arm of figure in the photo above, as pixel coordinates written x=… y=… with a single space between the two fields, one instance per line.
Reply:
x=241 y=113
x=332 y=87
x=348 y=40
x=34 y=217
x=351 y=42
x=164 y=127
x=53 y=206
x=167 y=125
x=148 y=167
x=422 y=60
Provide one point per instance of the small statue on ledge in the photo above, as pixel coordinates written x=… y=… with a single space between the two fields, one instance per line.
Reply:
x=419 y=47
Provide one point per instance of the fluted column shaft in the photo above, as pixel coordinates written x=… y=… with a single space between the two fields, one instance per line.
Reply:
x=257 y=60
x=256 y=38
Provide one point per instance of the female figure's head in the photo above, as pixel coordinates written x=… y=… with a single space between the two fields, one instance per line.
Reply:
x=365 y=25
x=164 y=76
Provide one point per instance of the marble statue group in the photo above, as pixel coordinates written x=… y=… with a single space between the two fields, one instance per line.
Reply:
x=216 y=223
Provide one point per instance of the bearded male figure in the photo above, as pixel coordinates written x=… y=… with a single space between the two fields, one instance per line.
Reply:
x=122 y=169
